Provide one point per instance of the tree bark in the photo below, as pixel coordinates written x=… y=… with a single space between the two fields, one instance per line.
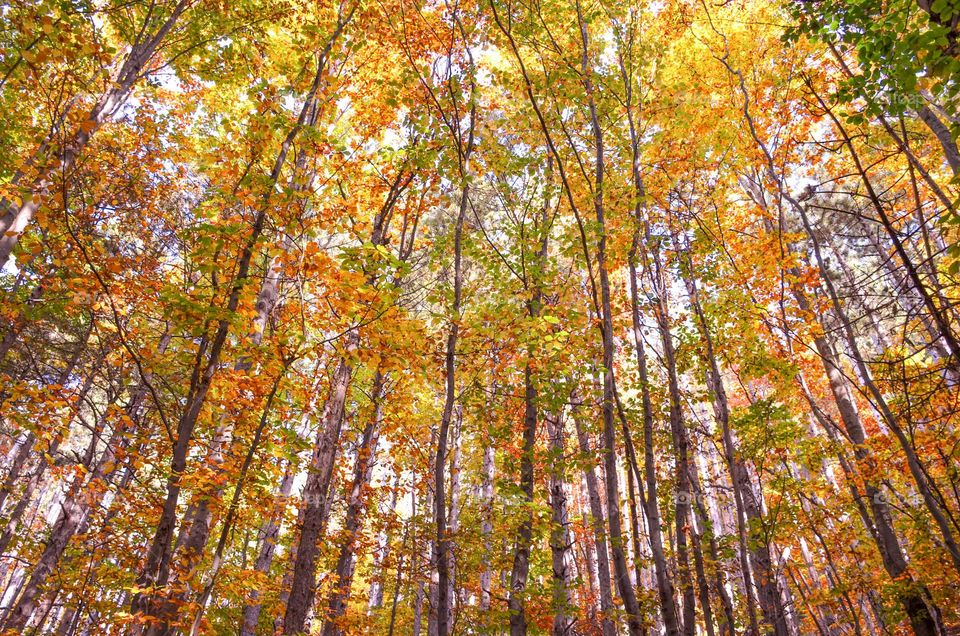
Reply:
x=683 y=494
x=923 y=623
x=597 y=524
x=560 y=539
x=749 y=513
x=665 y=590
x=382 y=554
x=267 y=537
x=363 y=470
x=315 y=492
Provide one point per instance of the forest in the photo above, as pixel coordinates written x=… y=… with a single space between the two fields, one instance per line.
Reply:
x=454 y=317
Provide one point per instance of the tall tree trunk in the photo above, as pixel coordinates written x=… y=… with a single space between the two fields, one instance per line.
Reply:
x=267 y=537
x=706 y=528
x=382 y=554
x=923 y=614
x=420 y=594
x=521 y=561
x=398 y=581
x=560 y=539
x=455 y=504
x=363 y=470
x=635 y=528
x=486 y=510
x=624 y=584
x=597 y=524
x=703 y=587
x=749 y=513
x=881 y=524
x=683 y=494
x=315 y=492
x=441 y=558
x=194 y=535
x=665 y=590
x=73 y=513
x=156 y=571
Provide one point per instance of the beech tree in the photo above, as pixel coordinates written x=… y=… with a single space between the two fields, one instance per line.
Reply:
x=479 y=317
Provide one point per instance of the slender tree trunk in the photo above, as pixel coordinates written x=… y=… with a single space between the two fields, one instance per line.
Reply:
x=624 y=584
x=521 y=561
x=560 y=539
x=921 y=618
x=703 y=587
x=486 y=523
x=924 y=616
x=420 y=594
x=315 y=492
x=683 y=495
x=665 y=590
x=708 y=529
x=382 y=554
x=442 y=544
x=267 y=538
x=156 y=571
x=74 y=511
x=455 y=505
x=635 y=529
x=748 y=508
x=942 y=133
x=363 y=470
x=194 y=536
x=398 y=581
x=597 y=524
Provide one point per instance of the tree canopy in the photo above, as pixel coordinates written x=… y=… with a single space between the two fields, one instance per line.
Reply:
x=442 y=317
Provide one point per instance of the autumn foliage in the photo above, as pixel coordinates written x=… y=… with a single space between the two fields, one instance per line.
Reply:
x=444 y=317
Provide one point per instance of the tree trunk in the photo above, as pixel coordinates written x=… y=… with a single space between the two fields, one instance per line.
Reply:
x=665 y=590
x=363 y=470
x=597 y=524
x=620 y=567
x=382 y=554
x=560 y=539
x=683 y=494
x=746 y=501
x=486 y=524
x=924 y=616
x=441 y=558
x=194 y=535
x=267 y=537
x=74 y=511
x=315 y=492
x=921 y=619
x=942 y=133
